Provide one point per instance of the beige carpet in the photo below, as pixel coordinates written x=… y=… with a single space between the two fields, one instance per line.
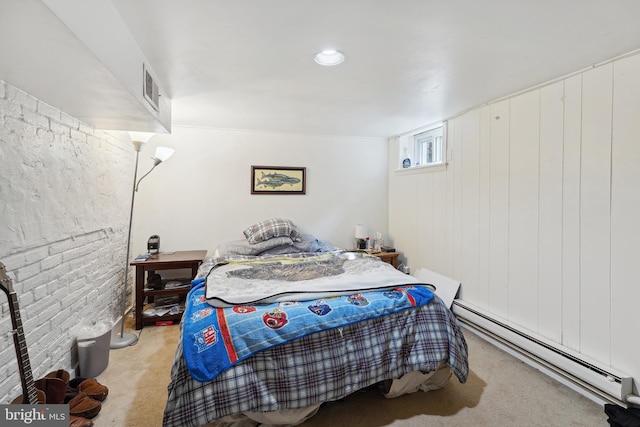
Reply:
x=500 y=391
x=137 y=378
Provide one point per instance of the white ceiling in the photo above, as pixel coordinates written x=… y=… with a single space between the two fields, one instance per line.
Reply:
x=249 y=64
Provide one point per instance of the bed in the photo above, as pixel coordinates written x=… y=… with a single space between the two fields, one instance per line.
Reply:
x=320 y=323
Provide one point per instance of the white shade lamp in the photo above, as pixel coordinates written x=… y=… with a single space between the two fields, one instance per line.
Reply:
x=138 y=139
x=361 y=235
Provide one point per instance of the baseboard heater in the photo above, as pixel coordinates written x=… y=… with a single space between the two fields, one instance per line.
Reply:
x=610 y=386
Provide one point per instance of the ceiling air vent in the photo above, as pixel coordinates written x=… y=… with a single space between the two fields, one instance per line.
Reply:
x=150 y=89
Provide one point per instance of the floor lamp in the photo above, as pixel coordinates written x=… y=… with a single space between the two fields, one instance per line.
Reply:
x=138 y=139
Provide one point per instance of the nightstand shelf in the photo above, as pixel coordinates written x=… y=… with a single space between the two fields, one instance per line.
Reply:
x=179 y=291
x=163 y=261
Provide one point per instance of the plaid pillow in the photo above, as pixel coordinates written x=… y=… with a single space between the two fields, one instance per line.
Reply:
x=271 y=228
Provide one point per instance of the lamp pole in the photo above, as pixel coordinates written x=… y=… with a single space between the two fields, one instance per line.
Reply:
x=162 y=153
x=124 y=340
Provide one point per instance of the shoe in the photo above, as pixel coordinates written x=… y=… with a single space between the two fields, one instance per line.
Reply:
x=60 y=374
x=54 y=385
x=79 y=422
x=82 y=405
x=89 y=386
x=54 y=389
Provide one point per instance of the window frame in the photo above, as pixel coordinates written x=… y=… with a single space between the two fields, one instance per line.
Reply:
x=407 y=143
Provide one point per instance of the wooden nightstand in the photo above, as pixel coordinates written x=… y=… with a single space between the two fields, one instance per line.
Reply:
x=169 y=261
x=390 y=257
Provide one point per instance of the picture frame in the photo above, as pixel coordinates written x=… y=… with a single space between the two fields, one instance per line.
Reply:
x=278 y=180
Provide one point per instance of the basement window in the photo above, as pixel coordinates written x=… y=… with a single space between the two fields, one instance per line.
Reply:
x=423 y=148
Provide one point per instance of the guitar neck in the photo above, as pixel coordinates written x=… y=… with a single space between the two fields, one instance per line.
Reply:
x=29 y=391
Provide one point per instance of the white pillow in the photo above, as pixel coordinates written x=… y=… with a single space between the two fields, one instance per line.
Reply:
x=242 y=247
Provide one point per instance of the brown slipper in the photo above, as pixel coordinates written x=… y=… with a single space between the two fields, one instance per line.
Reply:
x=82 y=405
x=79 y=422
x=60 y=374
x=91 y=387
x=54 y=389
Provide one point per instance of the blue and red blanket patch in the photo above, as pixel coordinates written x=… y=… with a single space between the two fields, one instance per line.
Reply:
x=320 y=308
x=206 y=338
x=358 y=300
x=215 y=339
x=275 y=319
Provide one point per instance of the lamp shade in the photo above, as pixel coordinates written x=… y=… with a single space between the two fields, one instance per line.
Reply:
x=141 y=136
x=361 y=231
x=163 y=153
x=139 y=139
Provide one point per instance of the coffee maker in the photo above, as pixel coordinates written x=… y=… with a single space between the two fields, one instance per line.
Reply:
x=153 y=244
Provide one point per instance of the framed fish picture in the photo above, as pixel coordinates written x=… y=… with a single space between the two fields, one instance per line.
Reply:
x=278 y=180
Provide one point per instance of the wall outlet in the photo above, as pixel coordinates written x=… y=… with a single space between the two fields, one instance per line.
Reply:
x=406 y=269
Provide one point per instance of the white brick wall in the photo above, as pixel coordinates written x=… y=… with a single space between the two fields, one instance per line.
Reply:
x=64 y=204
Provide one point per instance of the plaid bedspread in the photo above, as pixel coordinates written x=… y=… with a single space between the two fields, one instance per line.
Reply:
x=324 y=366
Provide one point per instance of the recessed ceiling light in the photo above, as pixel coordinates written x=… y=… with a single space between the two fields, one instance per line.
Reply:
x=329 y=57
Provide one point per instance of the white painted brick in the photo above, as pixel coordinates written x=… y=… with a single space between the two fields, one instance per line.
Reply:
x=21 y=97
x=69 y=121
x=78 y=135
x=28 y=285
x=85 y=128
x=12 y=383
x=40 y=292
x=33 y=118
x=93 y=140
x=34 y=255
x=51 y=261
x=25 y=299
x=60 y=246
x=45 y=135
x=10 y=108
x=65 y=322
x=45 y=315
x=20 y=127
x=59 y=129
x=46 y=278
x=55 y=293
x=27 y=271
x=13 y=262
x=48 y=111
x=30 y=324
x=73 y=254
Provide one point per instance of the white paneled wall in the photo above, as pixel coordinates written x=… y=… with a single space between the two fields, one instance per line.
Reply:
x=537 y=211
x=624 y=286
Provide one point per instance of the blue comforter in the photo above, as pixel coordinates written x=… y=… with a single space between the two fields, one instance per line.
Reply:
x=216 y=338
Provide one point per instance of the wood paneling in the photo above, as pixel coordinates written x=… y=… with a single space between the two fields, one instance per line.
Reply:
x=499 y=210
x=595 y=196
x=625 y=214
x=484 y=207
x=523 y=209
x=571 y=212
x=539 y=207
x=470 y=200
x=550 y=213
